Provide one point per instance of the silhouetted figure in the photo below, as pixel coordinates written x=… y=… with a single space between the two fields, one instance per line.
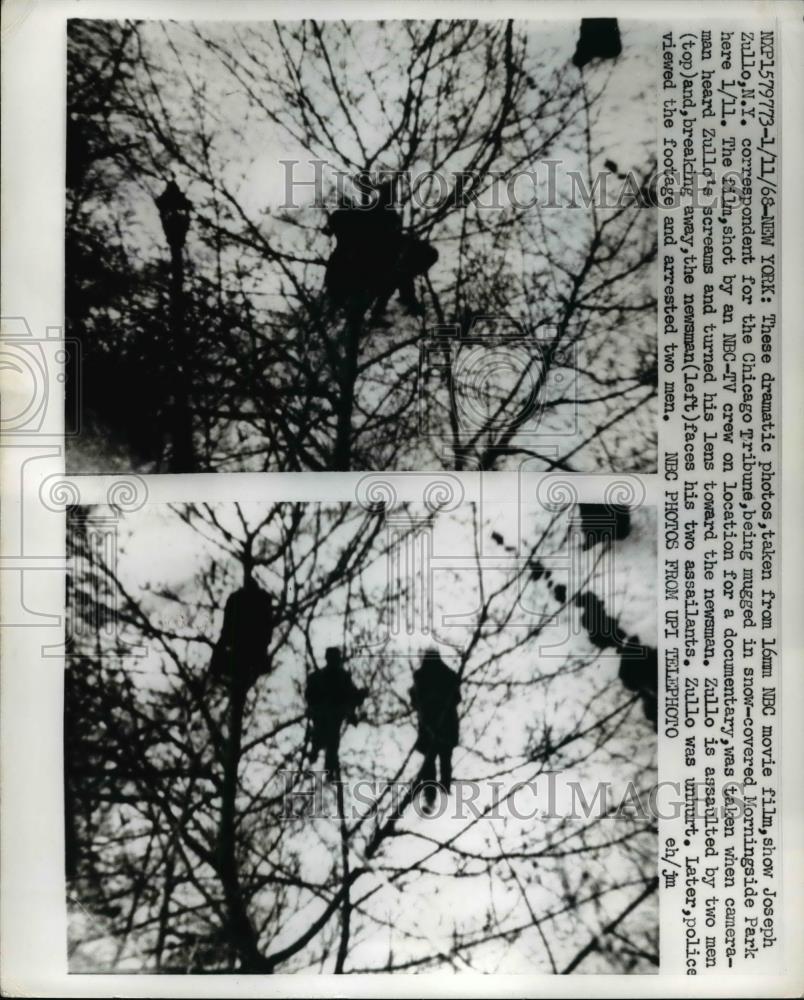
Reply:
x=332 y=700
x=415 y=258
x=600 y=521
x=599 y=39
x=241 y=652
x=435 y=695
x=373 y=258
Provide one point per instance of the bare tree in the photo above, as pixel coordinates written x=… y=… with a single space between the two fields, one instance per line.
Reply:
x=199 y=842
x=466 y=109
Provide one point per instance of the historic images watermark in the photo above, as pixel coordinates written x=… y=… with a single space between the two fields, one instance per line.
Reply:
x=311 y=794
x=551 y=184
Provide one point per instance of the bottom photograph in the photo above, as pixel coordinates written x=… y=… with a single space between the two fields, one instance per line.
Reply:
x=368 y=737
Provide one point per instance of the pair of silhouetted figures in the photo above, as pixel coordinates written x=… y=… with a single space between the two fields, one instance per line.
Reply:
x=333 y=700
x=373 y=256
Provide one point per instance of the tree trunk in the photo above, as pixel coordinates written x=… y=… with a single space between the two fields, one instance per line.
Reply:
x=182 y=458
x=347 y=377
x=240 y=929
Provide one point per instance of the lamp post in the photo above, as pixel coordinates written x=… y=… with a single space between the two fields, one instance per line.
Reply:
x=174 y=213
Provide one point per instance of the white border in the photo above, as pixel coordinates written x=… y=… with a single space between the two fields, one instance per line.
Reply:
x=32 y=921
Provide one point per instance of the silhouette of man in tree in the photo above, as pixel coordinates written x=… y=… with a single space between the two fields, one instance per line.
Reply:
x=599 y=39
x=435 y=695
x=373 y=257
x=241 y=652
x=332 y=699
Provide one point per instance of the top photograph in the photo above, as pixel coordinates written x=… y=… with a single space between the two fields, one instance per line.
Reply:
x=361 y=246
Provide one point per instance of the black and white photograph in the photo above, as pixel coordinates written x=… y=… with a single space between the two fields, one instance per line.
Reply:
x=398 y=456
x=361 y=245
x=373 y=737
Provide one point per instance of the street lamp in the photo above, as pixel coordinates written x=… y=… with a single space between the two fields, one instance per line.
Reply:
x=174 y=212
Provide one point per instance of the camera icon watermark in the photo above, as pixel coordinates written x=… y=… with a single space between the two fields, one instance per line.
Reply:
x=493 y=385
x=33 y=366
